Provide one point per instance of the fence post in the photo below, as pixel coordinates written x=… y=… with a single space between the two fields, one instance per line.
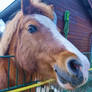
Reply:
x=8 y=71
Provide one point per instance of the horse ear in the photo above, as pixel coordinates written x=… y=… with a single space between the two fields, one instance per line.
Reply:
x=36 y=6
x=26 y=6
x=52 y=7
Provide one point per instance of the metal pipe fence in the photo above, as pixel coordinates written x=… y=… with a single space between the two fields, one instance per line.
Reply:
x=40 y=86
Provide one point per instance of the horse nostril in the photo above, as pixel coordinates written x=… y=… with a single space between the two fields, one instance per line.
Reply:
x=74 y=66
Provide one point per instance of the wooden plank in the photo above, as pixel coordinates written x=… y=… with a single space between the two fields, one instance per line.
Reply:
x=80 y=25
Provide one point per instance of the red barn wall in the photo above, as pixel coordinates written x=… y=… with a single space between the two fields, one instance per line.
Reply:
x=80 y=24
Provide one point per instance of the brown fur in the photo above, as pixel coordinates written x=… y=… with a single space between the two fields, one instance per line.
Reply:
x=35 y=54
x=9 y=38
x=11 y=27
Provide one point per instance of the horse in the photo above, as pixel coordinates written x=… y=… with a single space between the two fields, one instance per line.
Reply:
x=40 y=49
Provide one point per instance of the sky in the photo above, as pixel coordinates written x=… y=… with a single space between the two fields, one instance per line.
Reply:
x=4 y=4
x=2 y=25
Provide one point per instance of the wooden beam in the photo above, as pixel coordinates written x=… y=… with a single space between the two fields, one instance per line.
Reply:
x=88 y=6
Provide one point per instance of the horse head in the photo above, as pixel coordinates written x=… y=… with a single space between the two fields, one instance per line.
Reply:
x=40 y=48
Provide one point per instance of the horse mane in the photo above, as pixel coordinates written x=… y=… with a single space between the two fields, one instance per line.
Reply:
x=11 y=27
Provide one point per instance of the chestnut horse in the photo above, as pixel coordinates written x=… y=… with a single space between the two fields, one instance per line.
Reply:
x=40 y=50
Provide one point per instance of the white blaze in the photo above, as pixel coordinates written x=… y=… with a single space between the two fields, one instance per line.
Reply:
x=61 y=40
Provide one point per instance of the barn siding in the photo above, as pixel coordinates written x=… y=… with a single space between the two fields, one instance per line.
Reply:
x=80 y=24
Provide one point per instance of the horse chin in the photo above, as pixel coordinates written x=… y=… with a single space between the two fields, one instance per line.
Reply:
x=63 y=83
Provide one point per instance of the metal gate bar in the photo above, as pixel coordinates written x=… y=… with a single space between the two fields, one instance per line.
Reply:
x=32 y=84
x=8 y=82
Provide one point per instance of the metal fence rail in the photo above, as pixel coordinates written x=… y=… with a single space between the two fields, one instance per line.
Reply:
x=38 y=85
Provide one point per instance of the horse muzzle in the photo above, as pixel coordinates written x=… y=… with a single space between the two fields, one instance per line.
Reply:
x=73 y=77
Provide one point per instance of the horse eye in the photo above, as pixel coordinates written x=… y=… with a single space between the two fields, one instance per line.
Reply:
x=32 y=28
